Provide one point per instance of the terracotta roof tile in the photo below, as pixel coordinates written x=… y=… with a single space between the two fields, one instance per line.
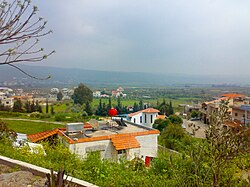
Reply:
x=42 y=135
x=81 y=140
x=233 y=124
x=125 y=142
x=161 y=117
x=147 y=110
x=233 y=95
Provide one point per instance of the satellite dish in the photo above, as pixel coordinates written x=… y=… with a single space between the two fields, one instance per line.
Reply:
x=94 y=123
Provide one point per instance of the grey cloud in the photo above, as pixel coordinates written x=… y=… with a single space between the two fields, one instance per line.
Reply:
x=208 y=36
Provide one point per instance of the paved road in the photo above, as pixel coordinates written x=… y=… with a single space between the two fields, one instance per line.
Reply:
x=31 y=120
x=201 y=127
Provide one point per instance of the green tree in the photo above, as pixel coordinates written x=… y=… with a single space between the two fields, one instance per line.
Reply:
x=59 y=96
x=175 y=119
x=52 y=112
x=141 y=107
x=223 y=144
x=161 y=124
x=82 y=95
x=172 y=136
x=135 y=107
x=18 y=106
x=47 y=106
x=164 y=108
x=28 y=106
x=170 y=109
x=119 y=105
x=195 y=114
x=109 y=104
x=88 y=108
x=99 y=109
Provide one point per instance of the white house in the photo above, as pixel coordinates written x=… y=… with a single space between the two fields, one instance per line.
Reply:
x=113 y=139
x=6 y=101
x=97 y=94
x=144 y=117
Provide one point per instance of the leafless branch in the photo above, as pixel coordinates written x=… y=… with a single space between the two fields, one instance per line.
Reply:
x=20 y=31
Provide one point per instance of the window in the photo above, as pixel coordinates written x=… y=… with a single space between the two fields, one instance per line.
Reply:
x=123 y=151
x=151 y=118
x=145 y=118
x=140 y=119
x=134 y=120
x=236 y=114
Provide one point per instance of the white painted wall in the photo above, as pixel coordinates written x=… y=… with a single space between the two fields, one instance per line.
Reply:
x=143 y=116
x=148 y=148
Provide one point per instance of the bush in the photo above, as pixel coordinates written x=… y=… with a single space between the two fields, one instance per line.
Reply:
x=35 y=115
x=175 y=119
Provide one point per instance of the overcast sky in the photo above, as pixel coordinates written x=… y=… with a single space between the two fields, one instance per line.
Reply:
x=177 y=36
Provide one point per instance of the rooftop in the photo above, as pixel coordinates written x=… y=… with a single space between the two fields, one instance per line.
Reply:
x=147 y=110
x=110 y=130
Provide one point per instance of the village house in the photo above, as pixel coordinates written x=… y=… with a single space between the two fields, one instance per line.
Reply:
x=207 y=108
x=144 y=117
x=114 y=139
x=118 y=92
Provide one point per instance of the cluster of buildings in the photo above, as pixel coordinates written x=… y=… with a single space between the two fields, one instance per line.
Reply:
x=114 y=93
x=239 y=109
x=66 y=93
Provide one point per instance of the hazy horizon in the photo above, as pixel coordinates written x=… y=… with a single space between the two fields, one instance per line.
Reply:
x=180 y=37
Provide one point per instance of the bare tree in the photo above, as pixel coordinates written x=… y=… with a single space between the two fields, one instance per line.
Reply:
x=20 y=30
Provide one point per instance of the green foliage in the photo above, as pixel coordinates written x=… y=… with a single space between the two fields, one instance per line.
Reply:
x=161 y=124
x=172 y=136
x=59 y=96
x=168 y=169
x=88 y=109
x=165 y=108
x=175 y=119
x=5 y=132
x=195 y=114
x=18 y=106
x=82 y=94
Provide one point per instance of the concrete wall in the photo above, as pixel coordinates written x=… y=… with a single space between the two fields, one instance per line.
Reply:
x=105 y=147
x=148 y=145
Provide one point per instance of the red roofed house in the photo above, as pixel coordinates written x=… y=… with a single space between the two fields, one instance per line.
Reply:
x=144 y=117
x=113 y=139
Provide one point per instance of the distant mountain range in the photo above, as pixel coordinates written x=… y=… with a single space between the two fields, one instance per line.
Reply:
x=72 y=76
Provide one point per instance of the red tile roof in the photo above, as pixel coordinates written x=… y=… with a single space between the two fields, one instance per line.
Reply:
x=233 y=124
x=147 y=110
x=125 y=142
x=233 y=95
x=161 y=117
x=43 y=135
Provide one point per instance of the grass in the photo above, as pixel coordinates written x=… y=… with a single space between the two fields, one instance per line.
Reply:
x=28 y=127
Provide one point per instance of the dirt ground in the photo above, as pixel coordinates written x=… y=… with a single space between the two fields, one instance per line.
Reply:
x=13 y=177
x=197 y=126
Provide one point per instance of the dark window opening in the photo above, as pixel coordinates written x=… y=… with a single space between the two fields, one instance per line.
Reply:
x=122 y=151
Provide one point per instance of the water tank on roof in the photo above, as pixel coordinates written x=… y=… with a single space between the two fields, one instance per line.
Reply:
x=74 y=127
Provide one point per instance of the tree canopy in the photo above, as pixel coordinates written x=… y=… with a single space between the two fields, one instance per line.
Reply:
x=82 y=94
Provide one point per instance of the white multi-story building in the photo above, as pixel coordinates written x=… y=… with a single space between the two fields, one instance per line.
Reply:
x=144 y=117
